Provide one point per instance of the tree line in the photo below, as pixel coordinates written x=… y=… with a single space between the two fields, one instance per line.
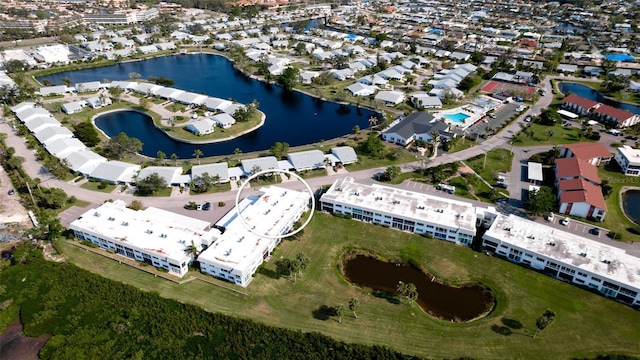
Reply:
x=92 y=317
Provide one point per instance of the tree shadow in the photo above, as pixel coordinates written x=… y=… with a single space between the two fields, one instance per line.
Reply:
x=502 y=330
x=324 y=313
x=511 y=323
x=390 y=297
x=269 y=273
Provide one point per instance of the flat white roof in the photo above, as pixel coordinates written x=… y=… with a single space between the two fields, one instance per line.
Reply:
x=598 y=258
x=267 y=212
x=568 y=114
x=632 y=155
x=535 y=171
x=405 y=203
x=152 y=230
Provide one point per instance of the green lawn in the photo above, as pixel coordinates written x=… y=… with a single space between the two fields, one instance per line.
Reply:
x=561 y=135
x=95 y=186
x=586 y=325
x=471 y=187
x=366 y=162
x=616 y=220
x=497 y=160
x=214 y=189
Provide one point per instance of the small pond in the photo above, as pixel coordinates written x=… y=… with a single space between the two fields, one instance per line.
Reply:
x=441 y=301
x=630 y=201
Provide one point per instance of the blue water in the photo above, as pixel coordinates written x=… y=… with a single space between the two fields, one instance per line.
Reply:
x=619 y=57
x=630 y=202
x=588 y=93
x=457 y=117
x=294 y=118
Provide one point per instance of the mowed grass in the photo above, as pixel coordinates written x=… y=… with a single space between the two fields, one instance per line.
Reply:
x=497 y=160
x=586 y=325
x=561 y=135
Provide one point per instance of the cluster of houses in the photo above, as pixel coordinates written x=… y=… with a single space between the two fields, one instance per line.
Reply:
x=61 y=143
x=603 y=113
x=560 y=254
x=227 y=250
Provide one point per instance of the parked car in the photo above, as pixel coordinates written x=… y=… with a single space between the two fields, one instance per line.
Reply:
x=527 y=119
x=11 y=192
x=550 y=217
x=564 y=222
x=206 y=206
x=595 y=231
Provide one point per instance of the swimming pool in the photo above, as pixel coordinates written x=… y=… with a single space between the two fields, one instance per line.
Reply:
x=456 y=117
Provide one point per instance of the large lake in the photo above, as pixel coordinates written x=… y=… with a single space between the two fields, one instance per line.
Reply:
x=591 y=94
x=294 y=118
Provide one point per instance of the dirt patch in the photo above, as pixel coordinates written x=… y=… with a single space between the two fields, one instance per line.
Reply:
x=15 y=345
x=11 y=210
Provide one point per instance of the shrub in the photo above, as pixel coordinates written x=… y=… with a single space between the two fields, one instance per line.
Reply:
x=615 y=235
x=634 y=230
x=222 y=204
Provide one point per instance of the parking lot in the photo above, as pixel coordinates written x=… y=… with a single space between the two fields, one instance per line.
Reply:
x=578 y=227
x=501 y=117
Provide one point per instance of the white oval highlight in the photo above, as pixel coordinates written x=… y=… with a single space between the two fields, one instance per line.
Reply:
x=244 y=223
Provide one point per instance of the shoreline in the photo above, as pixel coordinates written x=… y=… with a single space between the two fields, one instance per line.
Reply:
x=601 y=94
x=263 y=117
x=621 y=193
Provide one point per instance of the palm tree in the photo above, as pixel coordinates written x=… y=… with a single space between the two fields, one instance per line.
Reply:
x=402 y=288
x=197 y=153
x=549 y=134
x=161 y=156
x=353 y=306
x=174 y=157
x=340 y=309
x=412 y=293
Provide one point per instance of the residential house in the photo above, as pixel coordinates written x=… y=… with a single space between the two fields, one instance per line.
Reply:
x=594 y=153
x=219 y=170
x=420 y=125
x=307 y=160
x=201 y=127
x=390 y=98
x=115 y=172
x=359 y=89
x=223 y=120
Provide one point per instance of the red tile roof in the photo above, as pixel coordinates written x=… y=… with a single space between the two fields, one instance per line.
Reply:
x=588 y=151
x=591 y=194
x=574 y=167
x=577 y=100
x=571 y=184
x=618 y=114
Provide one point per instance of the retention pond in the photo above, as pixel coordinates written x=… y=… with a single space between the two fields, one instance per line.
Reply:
x=458 y=304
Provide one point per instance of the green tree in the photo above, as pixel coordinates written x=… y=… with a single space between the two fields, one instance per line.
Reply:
x=544 y=321
x=356 y=129
x=136 y=205
x=279 y=149
x=174 y=158
x=197 y=153
x=50 y=198
x=150 y=184
x=391 y=172
x=289 y=78
x=87 y=133
x=121 y=145
x=539 y=202
x=160 y=155
x=353 y=306
x=15 y=162
x=340 y=310
x=477 y=57
x=373 y=146
x=412 y=293
x=402 y=288
x=606 y=187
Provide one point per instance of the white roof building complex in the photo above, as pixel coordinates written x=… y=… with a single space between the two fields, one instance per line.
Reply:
x=163 y=239
x=566 y=256
x=237 y=252
x=442 y=218
x=560 y=254
x=154 y=236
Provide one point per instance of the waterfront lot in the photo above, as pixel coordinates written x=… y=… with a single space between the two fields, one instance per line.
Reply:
x=587 y=324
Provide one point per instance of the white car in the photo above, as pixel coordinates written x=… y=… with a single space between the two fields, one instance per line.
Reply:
x=564 y=222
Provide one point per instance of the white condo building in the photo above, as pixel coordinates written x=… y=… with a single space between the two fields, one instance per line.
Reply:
x=566 y=256
x=442 y=218
x=238 y=251
x=629 y=160
x=157 y=237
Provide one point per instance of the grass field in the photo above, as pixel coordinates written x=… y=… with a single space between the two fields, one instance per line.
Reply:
x=616 y=220
x=586 y=324
x=95 y=186
x=561 y=135
x=497 y=160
